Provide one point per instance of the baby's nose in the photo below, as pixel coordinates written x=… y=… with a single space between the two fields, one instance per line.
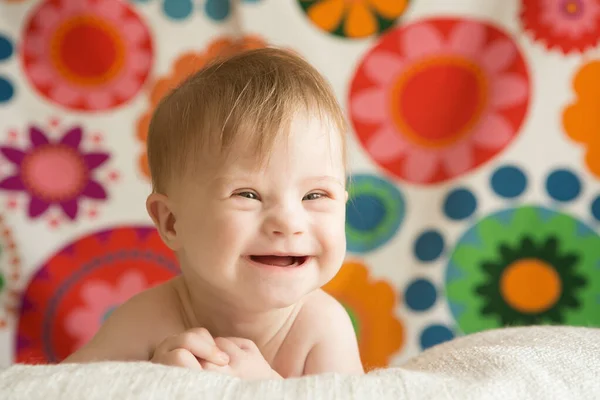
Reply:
x=285 y=232
x=286 y=223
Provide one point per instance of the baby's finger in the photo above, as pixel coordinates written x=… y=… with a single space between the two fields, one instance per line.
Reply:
x=199 y=347
x=228 y=346
x=179 y=358
x=208 y=366
x=244 y=344
x=204 y=333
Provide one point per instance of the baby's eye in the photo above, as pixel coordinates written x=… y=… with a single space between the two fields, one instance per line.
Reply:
x=248 y=195
x=313 y=196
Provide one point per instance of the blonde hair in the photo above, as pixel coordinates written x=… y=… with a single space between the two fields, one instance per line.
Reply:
x=250 y=97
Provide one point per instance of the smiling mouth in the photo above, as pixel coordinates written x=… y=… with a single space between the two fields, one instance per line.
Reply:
x=280 y=261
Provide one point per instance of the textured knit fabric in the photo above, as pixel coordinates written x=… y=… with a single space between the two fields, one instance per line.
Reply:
x=518 y=363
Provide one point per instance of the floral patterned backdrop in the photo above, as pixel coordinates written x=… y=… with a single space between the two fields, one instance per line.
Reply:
x=475 y=196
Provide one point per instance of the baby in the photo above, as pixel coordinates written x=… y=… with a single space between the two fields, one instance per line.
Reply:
x=248 y=166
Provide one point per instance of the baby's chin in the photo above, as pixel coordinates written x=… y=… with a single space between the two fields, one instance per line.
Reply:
x=277 y=298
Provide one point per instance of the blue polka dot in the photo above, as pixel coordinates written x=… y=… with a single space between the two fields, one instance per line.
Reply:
x=429 y=246
x=596 y=208
x=217 y=9
x=460 y=204
x=178 y=9
x=374 y=212
x=509 y=182
x=434 y=335
x=6 y=48
x=420 y=295
x=6 y=90
x=563 y=185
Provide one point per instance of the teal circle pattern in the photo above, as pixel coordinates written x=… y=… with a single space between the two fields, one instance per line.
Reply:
x=374 y=212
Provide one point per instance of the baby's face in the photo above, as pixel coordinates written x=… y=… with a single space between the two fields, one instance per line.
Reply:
x=264 y=237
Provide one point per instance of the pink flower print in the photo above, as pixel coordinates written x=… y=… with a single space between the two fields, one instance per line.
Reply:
x=100 y=298
x=54 y=172
x=86 y=55
x=437 y=98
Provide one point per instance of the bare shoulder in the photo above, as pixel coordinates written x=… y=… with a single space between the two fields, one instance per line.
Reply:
x=334 y=346
x=320 y=307
x=135 y=327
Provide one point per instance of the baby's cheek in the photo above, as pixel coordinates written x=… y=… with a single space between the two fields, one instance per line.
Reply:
x=334 y=242
x=213 y=230
x=336 y=230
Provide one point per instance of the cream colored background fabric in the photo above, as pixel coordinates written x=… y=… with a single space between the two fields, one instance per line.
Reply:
x=473 y=142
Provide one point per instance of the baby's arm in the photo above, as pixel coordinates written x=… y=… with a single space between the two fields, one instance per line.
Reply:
x=131 y=331
x=336 y=347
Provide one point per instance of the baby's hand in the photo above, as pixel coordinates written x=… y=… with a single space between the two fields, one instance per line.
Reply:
x=188 y=348
x=245 y=360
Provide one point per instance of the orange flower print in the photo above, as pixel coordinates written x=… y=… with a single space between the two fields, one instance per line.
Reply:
x=371 y=305
x=581 y=119
x=353 y=18
x=184 y=66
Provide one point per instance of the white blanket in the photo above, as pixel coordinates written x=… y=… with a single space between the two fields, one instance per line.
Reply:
x=517 y=363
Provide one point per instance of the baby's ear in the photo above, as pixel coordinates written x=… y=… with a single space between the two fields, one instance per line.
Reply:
x=160 y=210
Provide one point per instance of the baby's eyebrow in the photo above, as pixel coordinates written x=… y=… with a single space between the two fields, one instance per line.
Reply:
x=230 y=179
x=325 y=178
x=238 y=178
